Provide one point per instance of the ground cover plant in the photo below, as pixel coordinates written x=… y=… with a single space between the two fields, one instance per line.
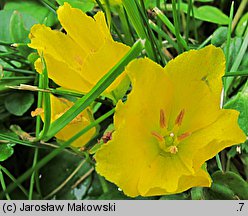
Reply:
x=121 y=99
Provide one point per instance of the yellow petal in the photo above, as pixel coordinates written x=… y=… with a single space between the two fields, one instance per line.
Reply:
x=200 y=179
x=63 y=75
x=58 y=45
x=60 y=106
x=196 y=76
x=97 y=64
x=164 y=173
x=88 y=33
x=206 y=143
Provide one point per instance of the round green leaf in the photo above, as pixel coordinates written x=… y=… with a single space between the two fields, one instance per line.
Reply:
x=6 y=151
x=18 y=103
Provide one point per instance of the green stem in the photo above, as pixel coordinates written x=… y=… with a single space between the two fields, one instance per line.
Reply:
x=176 y=24
x=46 y=101
x=18 y=78
x=228 y=41
x=14 y=180
x=19 y=70
x=239 y=13
x=3 y=185
x=238 y=73
x=163 y=34
x=32 y=180
x=204 y=43
x=104 y=184
x=50 y=5
x=217 y=157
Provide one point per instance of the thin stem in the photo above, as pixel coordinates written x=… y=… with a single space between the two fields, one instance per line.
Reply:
x=238 y=73
x=104 y=184
x=204 y=43
x=239 y=13
x=14 y=180
x=3 y=184
x=18 y=78
x=16 y=70
x=176 y=24
x=32 y=180
x=79 y=181
x=228 y=41
x=66 y=180
x=50 y=5
x=217 y=157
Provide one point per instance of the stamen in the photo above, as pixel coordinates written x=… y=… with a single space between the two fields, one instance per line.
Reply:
x=180 y=118
x=157 y=136
x=183 y=136
x=173 y=149
x=162 y=119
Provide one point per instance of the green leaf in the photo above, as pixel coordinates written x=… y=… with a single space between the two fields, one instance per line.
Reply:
x=18 y=31
x=6 y=150
x=240 y=102
x=207 y=13
x=211 y=14
x=219 y=36
x=227 y=186
x=18 y=103
x=242 y=25
x=37 y=11
x=4 y=26
x=84 y=5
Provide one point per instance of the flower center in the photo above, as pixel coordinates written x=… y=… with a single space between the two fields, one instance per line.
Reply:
x=168 y=140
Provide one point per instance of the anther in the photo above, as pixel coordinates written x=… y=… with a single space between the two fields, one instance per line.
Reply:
x=173 y=149
x=157 y=136
x=183 y=136
x=162 y=119
x=179 y=118
x=172 y=134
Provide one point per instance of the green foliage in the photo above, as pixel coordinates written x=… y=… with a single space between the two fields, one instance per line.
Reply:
x=84 y=5
x=219 y=36
x=31 y=9
x=6 y=150
x=227 y=186
x=19 y=103
x=242 y=25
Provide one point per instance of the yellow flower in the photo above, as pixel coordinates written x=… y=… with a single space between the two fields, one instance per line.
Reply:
x=170 y=125
x=78 y=59
x=58 y=107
